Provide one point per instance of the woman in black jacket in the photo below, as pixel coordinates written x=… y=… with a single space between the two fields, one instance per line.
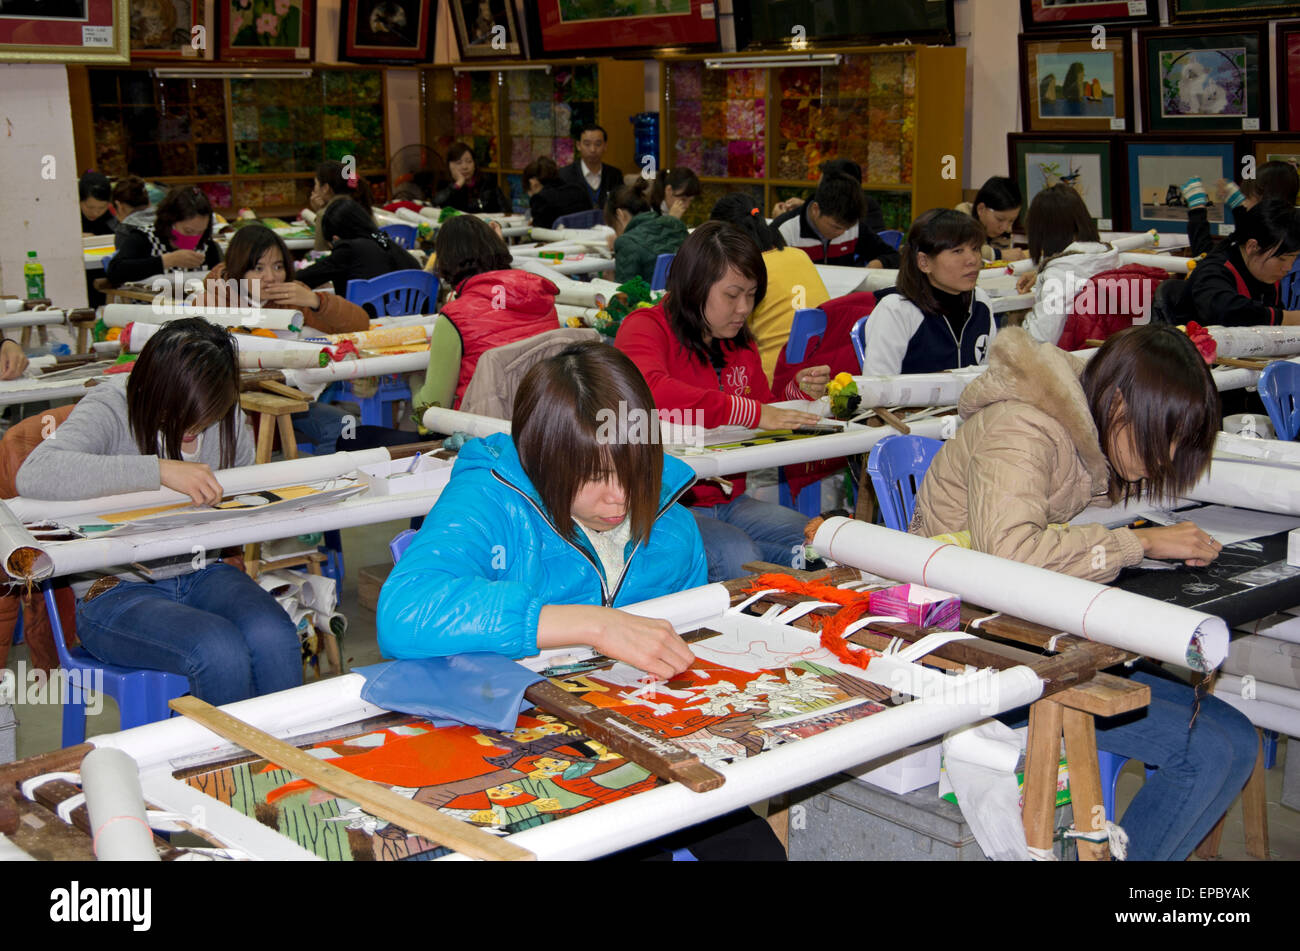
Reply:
x=469 y=190
x=360 y=250
x=180 y=238
x=549 y=196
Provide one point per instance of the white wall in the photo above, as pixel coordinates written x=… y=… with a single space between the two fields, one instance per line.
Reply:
x=39 y=213
x=988 y=29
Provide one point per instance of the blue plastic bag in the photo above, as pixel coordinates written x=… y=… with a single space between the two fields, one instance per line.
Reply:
x=480 y=689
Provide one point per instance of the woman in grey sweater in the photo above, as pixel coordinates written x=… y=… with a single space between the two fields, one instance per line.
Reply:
x=176 y=421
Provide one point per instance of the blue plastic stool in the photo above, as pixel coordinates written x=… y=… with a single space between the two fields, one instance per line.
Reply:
x=580 y=219
x=858 y=335
x=404 y=236
x=1110 y=765
x=141 y=695
x=807 y=502
x=18 y=626
x=659 y=280
x=892 y=238
x=809 y=322
x=1270 y=749
x=1278 y=386
x=897 y=464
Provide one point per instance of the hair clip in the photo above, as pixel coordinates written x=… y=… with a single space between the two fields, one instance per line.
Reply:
x=753 y=211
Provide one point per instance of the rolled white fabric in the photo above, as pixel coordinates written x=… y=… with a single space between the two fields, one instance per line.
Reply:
x=1256 y=689
x=308 y=216
x=119 y=827
x=916 y=389
x=1266 y=450
x=1147 y=239
x=385 y=217
x=686 y=610
x=439 y=420
x=1103 y=614
x=279 y=359
x=1170 y=262
x=1267 y=488
x=21 y=555
x=583 y=293
x=428 y=211
x=1023 y=266
x=1267 y=716
x=410 y=217
x=12 y=306
x=119 y=315
x=1256 y=341
x=31 y=318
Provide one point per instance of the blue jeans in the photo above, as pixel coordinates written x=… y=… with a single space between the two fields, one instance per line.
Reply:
x=320 y=424
x=216 y=626
x=1198 y=771
x=745 y=530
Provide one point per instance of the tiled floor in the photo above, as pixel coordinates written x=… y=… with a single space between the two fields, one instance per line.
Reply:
x=39 y=726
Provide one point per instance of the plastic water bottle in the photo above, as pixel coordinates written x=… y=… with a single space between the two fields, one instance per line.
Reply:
x=34 y=275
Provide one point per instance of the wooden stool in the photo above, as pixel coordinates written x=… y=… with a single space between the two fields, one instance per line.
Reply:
x=272 y=412
x=1254 y=815
x=84 y=321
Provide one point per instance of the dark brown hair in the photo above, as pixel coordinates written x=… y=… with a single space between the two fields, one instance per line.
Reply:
x=542 y=168
x=247 y=247
x=1278 y=180
x=1057 y=218
x=186 y=377
x=330 y=173
x=466 y=246
x=630 y=198
x=131 y=192
x=179 y=204
x=560 y=409
x=936 y=231
x=701 y=262
x=1169 y=402
x=740 y=209
x=683 y=181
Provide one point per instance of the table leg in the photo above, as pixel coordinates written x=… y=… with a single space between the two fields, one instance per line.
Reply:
x=1042 y=761
x=1085 y=782
x=1254 y=810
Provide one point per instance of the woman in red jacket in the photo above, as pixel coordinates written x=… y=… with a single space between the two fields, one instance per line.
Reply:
x=493 y=304
x=697 y=354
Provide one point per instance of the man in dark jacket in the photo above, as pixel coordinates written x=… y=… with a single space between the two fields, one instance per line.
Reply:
x=828 y=228
x=589 y=171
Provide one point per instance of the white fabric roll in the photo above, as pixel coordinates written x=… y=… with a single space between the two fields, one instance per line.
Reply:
x=12 y=306
x=410 y=217
x=1267 y=716
x=1147 y=239
x=1103 y=614
x=119 y=315
x=1256 y=341
x=279 y=359
x=439 y=420
x=21 y=555
x=119 y=828
x=1256 y=689
x=1267 y=488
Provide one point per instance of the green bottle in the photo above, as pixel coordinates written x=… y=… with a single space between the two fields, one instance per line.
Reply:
x=34 y=275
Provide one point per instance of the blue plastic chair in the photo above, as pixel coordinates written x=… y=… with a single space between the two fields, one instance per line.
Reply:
x=897 y=464
x=1278 y=385
x=403 y=235
x=1290 y=289
x=396 y=294
x=659 y=280
x=892 y=238
x=580 y=219
x=807 y=502
x=141 y=695
x=400 y=543
x=808 y=323
x=859 y=337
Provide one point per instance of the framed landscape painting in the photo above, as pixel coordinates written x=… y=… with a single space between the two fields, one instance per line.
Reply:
x=585 y=26
x=1157 y=172
x=1184 y=10
x=1068 y=86
x=1203 y=79
x=1076 y=14
x=1086 y=164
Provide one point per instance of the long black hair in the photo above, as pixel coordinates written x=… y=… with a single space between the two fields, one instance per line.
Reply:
x=344 y=219
x=1273 y=224
x=701 y=262
x=739 y=209
x=186 y=377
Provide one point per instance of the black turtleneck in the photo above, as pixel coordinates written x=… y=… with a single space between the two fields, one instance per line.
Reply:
x=955 y=309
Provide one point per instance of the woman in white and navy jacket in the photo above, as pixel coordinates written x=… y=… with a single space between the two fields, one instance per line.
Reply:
x=936 y=318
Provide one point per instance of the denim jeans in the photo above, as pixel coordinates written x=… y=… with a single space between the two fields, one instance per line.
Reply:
x=745 y=530
x=320 y=424
x=1198 y=771
x=216 y=626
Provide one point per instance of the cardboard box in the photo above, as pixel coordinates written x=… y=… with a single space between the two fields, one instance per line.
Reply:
x=368 y=584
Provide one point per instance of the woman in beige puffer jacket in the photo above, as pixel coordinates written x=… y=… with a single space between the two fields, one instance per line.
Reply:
x=1044 y=437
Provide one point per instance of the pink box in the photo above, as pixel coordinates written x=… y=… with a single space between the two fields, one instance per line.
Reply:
x=919 y=605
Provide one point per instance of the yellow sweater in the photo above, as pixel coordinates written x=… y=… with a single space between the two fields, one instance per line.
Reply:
x=792 y=283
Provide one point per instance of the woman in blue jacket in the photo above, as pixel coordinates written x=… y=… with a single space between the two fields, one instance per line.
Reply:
x=539 y=538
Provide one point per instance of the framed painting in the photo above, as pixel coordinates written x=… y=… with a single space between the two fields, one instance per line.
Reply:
x=1184 y=10
x=1157 y=172
x=1288 y=76
x=584 y=26
x=1200 y=79
x=1078 y=14
x=267 y=29
x=1086 y=164
x=164 y=29
x=800 y=24
x=1279 y=147
x=65 y=31
x=1067 y=85
x=486 y=29
x=385 y=31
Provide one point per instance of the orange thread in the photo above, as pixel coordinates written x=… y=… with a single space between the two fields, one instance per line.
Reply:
x=852 y=607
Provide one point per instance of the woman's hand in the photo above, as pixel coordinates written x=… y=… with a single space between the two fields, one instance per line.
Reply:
x=291 y=294
x=813 y=380
x=194 y=479
x=1014 y=254
x=183 y=259
x=678 y=207
x=1025 y=282
x=774 y=417
x=1182 y=542
x=781 y=207
x=648 y=644
x=13 y=362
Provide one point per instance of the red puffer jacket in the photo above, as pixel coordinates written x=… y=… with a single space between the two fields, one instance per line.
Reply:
x=1109 y=302
x=496 y=308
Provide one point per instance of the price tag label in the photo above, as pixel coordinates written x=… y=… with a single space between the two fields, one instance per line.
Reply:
x=1250 y=125
x=708 y=11
x=99 y=36
x=1104 y=224
x=1225 y=229
x=1137 y=8
x=302 y=52
x=1117 y=125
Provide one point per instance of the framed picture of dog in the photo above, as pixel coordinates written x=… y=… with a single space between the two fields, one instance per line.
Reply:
x=1205 y=79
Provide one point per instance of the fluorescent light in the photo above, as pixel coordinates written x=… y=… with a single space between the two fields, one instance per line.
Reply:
x=766 y=62
x=544 y=67
x=169 y=72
